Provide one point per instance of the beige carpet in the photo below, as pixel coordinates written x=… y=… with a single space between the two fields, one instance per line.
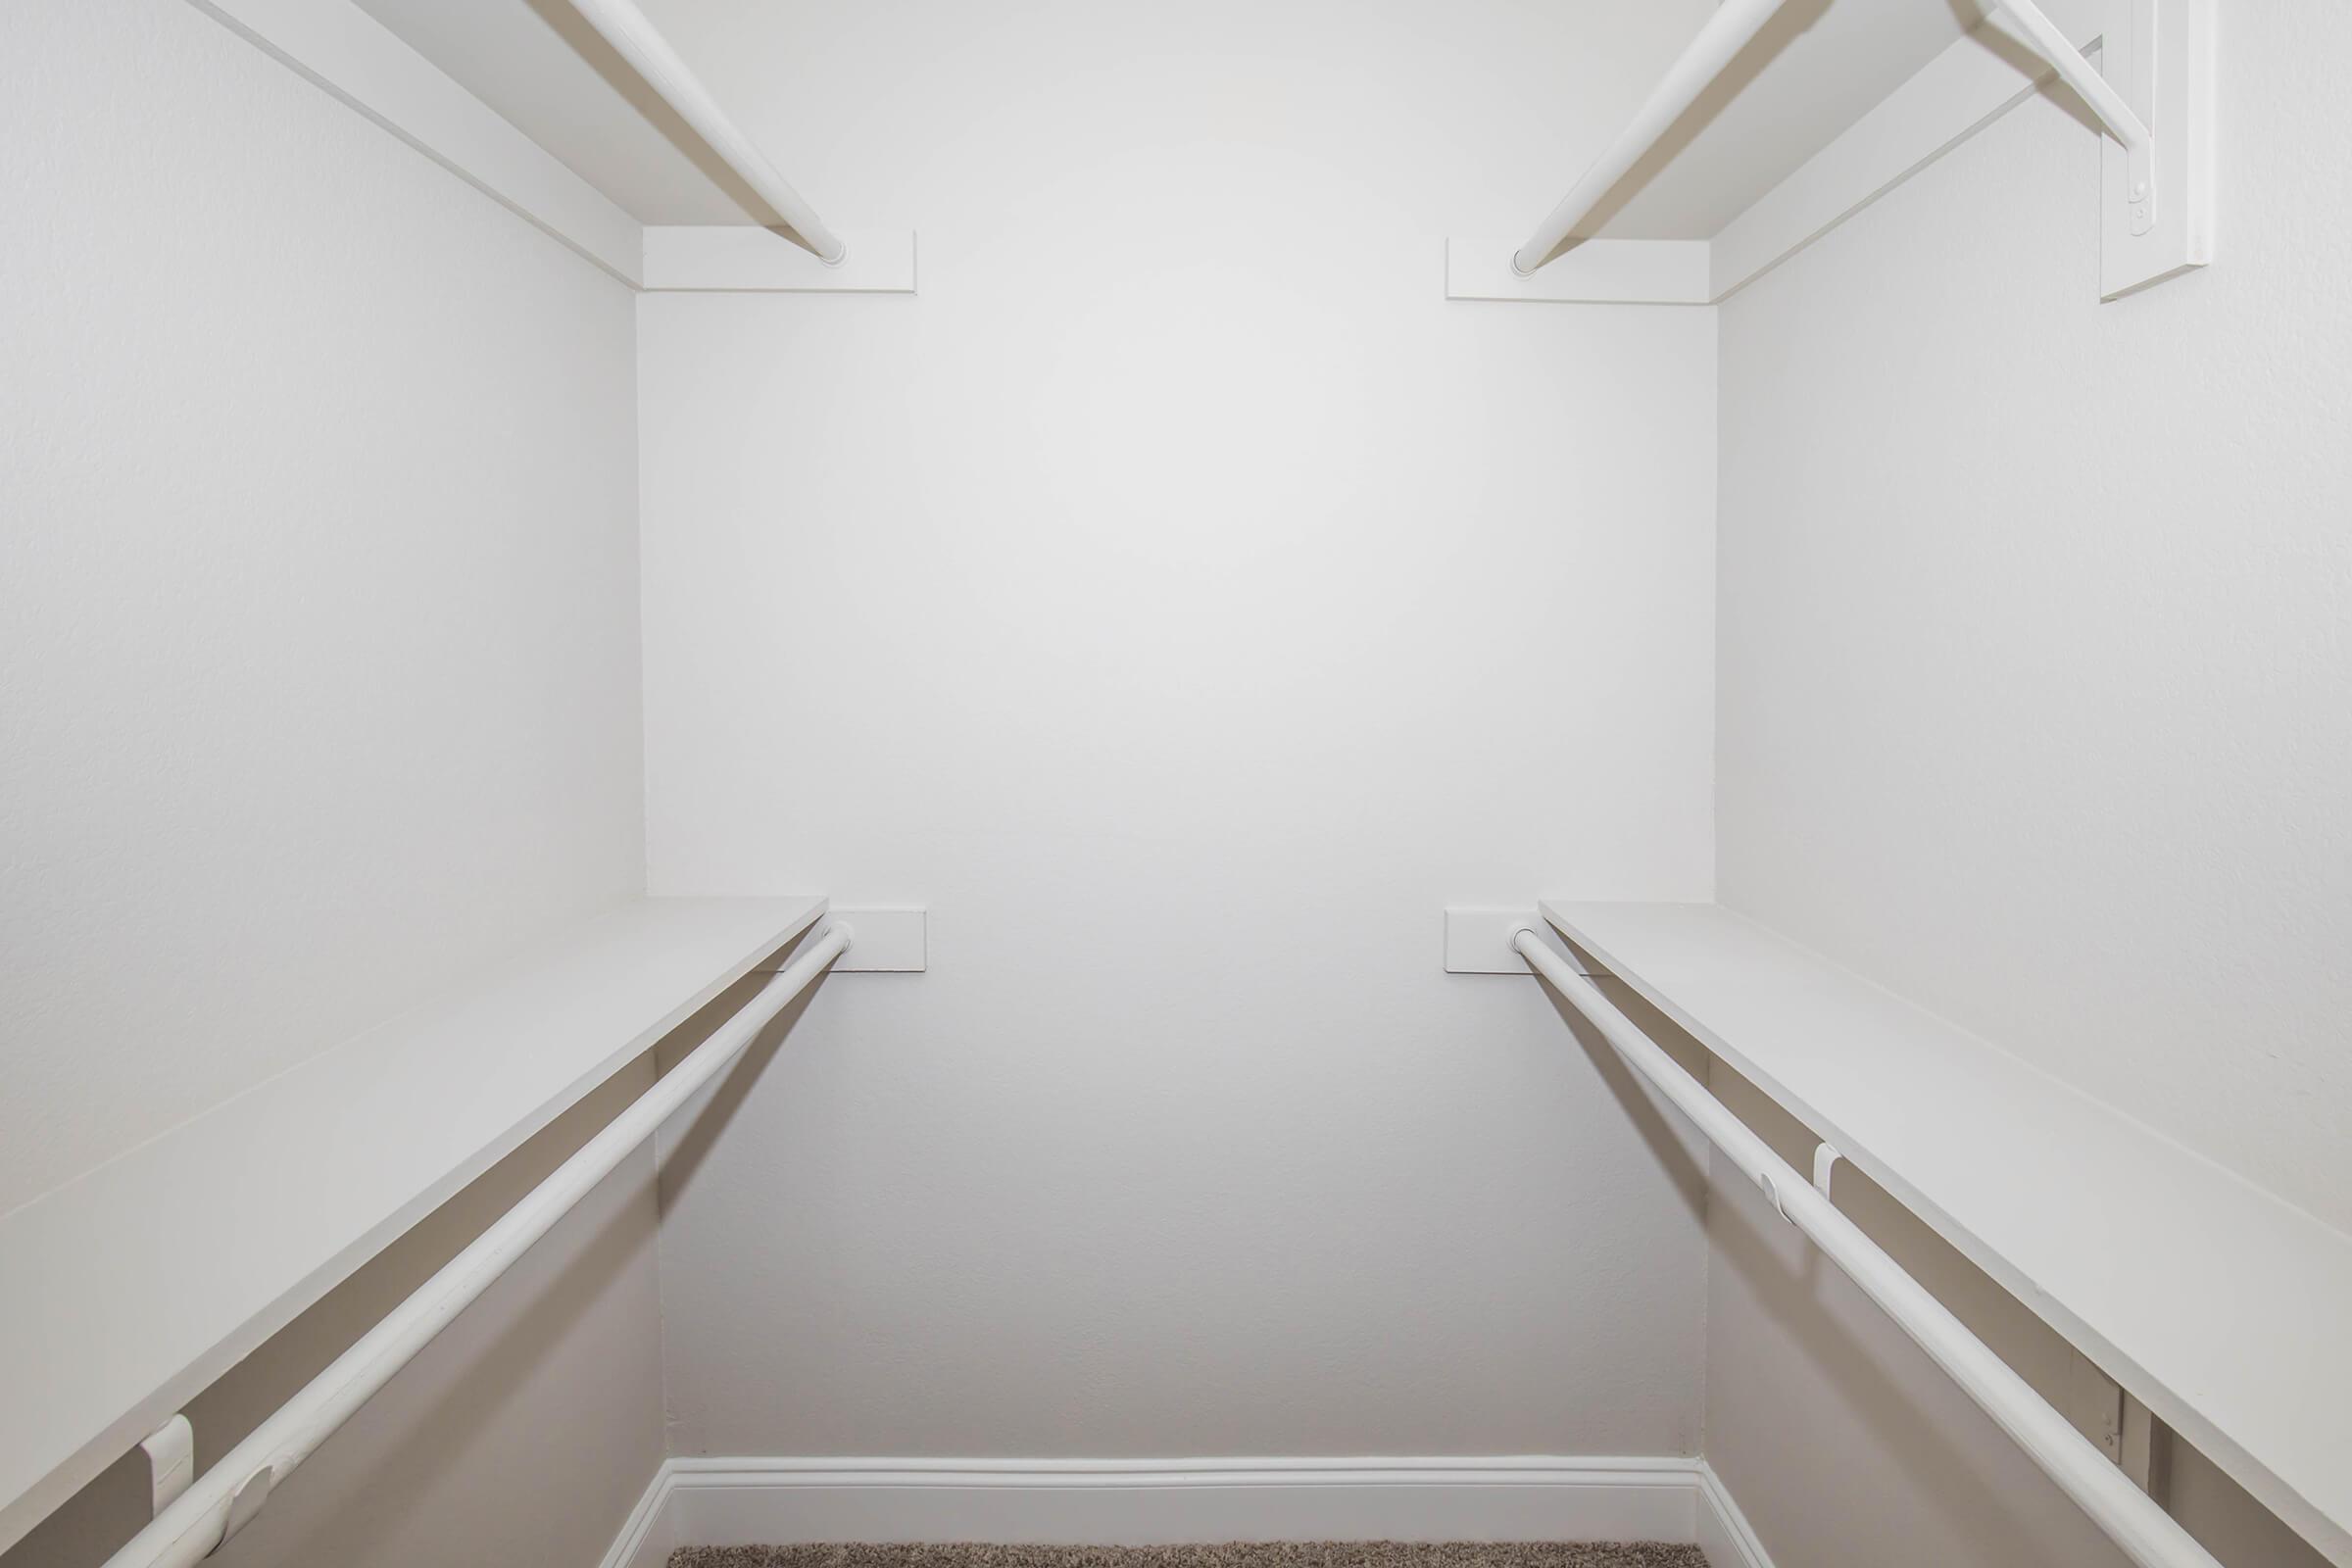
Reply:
x=1240 y=1554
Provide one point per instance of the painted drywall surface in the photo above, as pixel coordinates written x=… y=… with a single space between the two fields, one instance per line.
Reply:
x=1185 y=602
x=2037 y=701
x=317 y=585
x=2032 y=706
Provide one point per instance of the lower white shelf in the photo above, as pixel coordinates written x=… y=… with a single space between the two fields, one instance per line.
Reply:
x=2219 y=1305
x=125 y=1293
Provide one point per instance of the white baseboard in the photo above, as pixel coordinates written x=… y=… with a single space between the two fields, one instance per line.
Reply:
x=1724 y=1533
x=1154 y=1501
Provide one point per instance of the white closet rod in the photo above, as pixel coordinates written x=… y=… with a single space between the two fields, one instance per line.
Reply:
x=626 y=29
x=225 y=1499
x=2051 y=44
x=2148 y=1535
x=1730 y=30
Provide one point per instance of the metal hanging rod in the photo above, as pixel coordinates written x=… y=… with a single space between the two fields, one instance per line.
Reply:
x=626 y=29
x=1730 y=30
x=226 y=1497
x=2132 y=1519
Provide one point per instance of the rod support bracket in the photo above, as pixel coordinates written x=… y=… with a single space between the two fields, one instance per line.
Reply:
x=171 y=1450
x=2140 y=193
x=2122 y=94
x=245 y=1502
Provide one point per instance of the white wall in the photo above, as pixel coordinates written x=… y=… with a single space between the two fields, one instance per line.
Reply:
x=2035 y=699
x=318 y=627
x=1185 y=602
x=318 y=662
x=2037 y=707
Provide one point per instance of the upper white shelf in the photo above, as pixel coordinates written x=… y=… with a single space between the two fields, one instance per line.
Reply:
x=125 y=1293
x=1780 y=121
x=1816 y=68
x=2219 y=1307
x=545 y=70
x=533 y=106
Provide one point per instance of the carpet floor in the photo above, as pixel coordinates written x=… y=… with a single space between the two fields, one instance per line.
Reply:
x=1237 y=1554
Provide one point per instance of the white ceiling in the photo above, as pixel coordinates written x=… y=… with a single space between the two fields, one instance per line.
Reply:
x=1816 y=68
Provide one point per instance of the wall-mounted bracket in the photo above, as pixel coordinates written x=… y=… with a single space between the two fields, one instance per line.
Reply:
x=2141 y=1447
x=742 y=260
x=1613 y=272
x=2119 y=94
x=245 y=1503
x=171 y=1450
x=1824 y=1165
x=1478 y=941
x=2153 y=91
x=885 y=941
x=2164 y=56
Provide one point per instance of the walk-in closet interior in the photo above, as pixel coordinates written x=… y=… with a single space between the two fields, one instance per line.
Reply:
x=1128 y=784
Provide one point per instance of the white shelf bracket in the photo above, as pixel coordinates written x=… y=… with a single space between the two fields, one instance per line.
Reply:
x=245 y=1502
x=171 y=1450
x=1483 y=940
x=1825 y=1161
x=2153 y=92
x=2113 y=106
x=894 y=940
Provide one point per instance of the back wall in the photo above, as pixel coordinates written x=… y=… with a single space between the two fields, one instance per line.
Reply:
x=1185 y=602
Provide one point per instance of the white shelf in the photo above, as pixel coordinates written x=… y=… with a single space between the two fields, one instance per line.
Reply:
x=126 y=1292
x=2226 y=1310
x=534 y=108
x=1830 y=107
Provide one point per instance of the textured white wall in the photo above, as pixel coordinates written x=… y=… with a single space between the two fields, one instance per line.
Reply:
x=2037 y=705
x=318 y=622
x=1186 y=601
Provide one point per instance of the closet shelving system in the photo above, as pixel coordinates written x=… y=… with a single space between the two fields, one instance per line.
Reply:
x=223 y=1230
x=2217 y=1306
x=2204 y=1297
x=2143 y=1256
x=226 y=1228
x=2158 y=1265
x=1758 y=66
